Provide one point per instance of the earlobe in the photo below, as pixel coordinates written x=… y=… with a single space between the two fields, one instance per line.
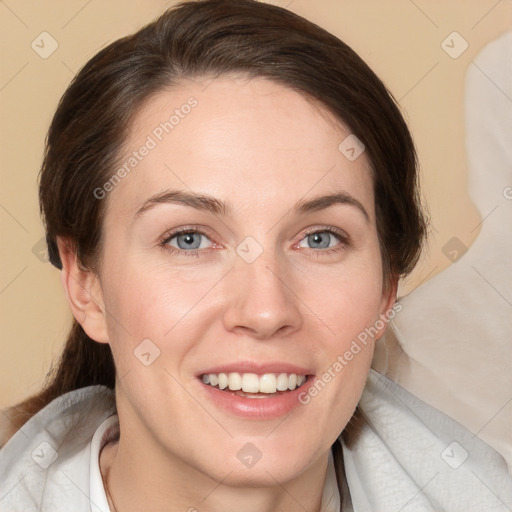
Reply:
x=83 y=292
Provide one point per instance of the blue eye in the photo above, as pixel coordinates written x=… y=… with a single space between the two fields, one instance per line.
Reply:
x=189 y=241
x=320 y=240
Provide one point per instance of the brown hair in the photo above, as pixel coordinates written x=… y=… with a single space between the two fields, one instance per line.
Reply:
x=198 y=39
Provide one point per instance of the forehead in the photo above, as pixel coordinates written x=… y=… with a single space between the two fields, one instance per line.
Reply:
x=251 y=142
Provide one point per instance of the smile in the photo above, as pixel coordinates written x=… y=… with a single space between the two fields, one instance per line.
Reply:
x=252 y=385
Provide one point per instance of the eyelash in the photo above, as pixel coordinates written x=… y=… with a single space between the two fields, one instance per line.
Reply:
x=342 y=237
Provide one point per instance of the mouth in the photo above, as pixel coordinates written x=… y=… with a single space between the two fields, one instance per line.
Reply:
x=253 y=385
x=255 y=391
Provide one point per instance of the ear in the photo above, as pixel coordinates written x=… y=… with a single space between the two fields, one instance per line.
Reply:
x=389 y=292
x=83 y=292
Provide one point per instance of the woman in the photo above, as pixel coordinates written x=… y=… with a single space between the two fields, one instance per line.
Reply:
x=230 y=194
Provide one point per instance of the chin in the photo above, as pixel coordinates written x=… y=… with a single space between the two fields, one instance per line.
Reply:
x=262 y=462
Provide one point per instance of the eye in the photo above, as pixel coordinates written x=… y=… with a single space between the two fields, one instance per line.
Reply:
x=321 y=240
x=189 y=240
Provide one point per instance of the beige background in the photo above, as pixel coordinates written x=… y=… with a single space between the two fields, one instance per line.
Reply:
x=400 y=39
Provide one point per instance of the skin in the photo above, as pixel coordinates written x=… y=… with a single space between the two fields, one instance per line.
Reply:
x=262 y=148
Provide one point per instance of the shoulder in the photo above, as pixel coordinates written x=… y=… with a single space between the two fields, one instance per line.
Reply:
x=11 y=420
x=49 y=455
x=398 y=449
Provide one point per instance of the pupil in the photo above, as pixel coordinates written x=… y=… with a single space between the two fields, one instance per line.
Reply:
x=189 y=241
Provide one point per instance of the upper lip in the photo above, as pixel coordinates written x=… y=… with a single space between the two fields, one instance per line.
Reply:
x=259 y=368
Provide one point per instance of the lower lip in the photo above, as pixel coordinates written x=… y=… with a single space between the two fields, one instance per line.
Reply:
x=256 y=408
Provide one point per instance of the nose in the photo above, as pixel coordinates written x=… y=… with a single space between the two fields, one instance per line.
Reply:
x=260 y=300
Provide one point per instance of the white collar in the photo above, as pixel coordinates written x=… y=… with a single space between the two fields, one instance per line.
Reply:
x=106 y=432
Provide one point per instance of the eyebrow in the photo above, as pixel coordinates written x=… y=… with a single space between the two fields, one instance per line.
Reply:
x=192 y=199
x=322 y=202
x=211 y=204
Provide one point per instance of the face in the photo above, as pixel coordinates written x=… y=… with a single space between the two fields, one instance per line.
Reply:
x=240 y=249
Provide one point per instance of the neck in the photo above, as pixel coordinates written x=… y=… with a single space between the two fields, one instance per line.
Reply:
x=152 y=484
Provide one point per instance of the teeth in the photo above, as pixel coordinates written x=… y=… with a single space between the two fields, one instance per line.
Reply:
x=223 y=381
x=268 y=383
x=251 y=383
x=282 y=382
x=234 y=381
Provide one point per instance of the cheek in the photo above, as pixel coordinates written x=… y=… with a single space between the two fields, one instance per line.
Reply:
x=159 y=303
x=347 y=301
x=348 y=304
x=350 y=313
